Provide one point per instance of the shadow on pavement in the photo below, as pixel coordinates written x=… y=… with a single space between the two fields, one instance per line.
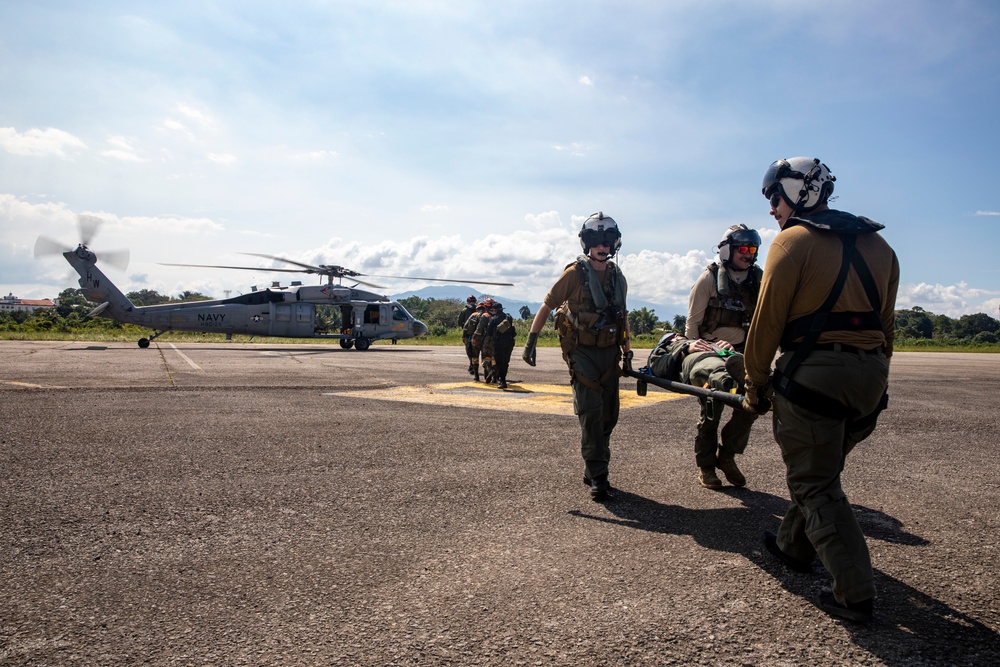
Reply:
x=910 y=627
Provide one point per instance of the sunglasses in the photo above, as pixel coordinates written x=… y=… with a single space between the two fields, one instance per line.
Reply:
x=746 y=249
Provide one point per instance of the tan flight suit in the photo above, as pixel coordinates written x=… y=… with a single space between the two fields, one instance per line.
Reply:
x=709 y=318
x=593 y=363
x=848 y=367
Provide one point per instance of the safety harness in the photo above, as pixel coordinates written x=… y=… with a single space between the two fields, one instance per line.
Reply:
x=734 y=303
x=586 y=325
x=809 y=327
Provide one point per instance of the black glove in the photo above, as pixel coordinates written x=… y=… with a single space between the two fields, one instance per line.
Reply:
x=529 y=349
x=755 y=398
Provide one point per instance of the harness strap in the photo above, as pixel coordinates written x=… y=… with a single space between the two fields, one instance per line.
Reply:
x=599 y=385
x=819 y=317
x=811 y=399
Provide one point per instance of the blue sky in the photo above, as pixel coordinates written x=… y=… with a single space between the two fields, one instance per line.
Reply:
x=470 y=139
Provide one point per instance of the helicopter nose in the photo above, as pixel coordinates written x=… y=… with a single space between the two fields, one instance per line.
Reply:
x=419 y=328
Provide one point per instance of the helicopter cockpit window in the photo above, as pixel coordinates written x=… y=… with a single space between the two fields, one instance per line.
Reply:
x=399 y=314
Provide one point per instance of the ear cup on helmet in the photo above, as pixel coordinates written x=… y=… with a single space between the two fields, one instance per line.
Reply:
x=735 y=236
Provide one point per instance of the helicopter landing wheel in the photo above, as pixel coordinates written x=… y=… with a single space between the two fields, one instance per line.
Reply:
x=362 y=344
x=346 y=343
x=144 y=343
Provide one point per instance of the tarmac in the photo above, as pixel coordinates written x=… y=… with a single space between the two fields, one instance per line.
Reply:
x=242 y=504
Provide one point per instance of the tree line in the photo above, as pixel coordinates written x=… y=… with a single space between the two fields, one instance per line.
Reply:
x=913 y=326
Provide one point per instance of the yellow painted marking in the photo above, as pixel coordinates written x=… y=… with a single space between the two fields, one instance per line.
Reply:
x=552 y=399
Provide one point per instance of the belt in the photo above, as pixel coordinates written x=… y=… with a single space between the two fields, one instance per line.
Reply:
x=833 y=347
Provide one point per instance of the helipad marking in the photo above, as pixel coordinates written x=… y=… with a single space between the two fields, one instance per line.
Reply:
x=553 y=399
x=29 y=385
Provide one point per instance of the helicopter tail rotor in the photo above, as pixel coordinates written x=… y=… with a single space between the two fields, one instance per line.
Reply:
x=47 y=246
x=88 y=226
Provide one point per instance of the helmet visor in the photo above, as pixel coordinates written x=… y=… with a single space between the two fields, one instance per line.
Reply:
x=744 y=237
x=593 y=238
x=778 y=170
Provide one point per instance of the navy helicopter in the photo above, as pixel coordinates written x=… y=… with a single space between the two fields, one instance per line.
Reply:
x=283 y=312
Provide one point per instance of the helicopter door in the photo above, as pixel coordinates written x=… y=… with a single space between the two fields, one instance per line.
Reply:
x=293 y=320
x=373 y=314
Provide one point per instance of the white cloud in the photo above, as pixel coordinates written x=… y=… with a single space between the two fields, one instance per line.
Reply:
x=39 y=143
x=987 y=212
x=194 y=114
x=122 y=150
x=124 y=156
x=430 y=208
x=951 y=300
x=576 y=149
x=314 y=156
x=586 y=81
x=224 y=159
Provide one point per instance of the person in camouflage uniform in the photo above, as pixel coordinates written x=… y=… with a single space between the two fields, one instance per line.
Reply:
x=712 y=365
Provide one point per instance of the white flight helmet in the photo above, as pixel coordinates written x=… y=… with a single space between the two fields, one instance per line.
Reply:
x=804 y=183
x=599 y=228
x=735 y=236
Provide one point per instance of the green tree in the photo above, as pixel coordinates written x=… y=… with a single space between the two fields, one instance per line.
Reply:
x=680 y=323
x=970 y=325
x=71 y=300
x=944 y=326
x=415 y=306
x=443 y=312
x=147 y=297
x=188 y=295
x=642 y=321
x=525 y=313
x=433 y=312
x=914 y=323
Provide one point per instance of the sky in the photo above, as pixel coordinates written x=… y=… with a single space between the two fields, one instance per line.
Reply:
x=469 y=140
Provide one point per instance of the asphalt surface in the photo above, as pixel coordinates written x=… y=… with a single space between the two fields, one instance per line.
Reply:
x=237 y=504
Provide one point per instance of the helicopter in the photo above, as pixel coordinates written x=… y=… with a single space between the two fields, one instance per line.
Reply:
x=282 y=312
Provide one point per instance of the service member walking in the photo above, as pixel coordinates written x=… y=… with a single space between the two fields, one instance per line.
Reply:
x=828 y=299
x=720 y=307
x=502 y=332
x=589 y=300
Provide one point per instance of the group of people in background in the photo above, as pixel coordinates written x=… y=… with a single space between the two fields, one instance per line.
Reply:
x=488 y=334
x=811 y=334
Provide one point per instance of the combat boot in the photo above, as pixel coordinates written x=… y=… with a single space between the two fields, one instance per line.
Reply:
x=477 y=374
x=600 y=489
x=708 y=478
x=727 y=464
x=502 y=383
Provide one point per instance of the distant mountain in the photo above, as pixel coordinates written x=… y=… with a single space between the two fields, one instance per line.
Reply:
x=513 y=306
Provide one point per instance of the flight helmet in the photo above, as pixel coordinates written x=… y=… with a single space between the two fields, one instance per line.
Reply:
x=599 y=228
x=736 y=236
x=804 y=183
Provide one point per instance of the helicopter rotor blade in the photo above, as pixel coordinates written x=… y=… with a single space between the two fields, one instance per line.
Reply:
x=88 y=224
x=445 y=280
x=331 y=271
x=116 y=258
x=310 y=267
x=264 y=269
x=240 y=268
x=47 y=246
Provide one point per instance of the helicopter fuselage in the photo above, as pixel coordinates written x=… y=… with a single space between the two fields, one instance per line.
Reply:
x=288 y=312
